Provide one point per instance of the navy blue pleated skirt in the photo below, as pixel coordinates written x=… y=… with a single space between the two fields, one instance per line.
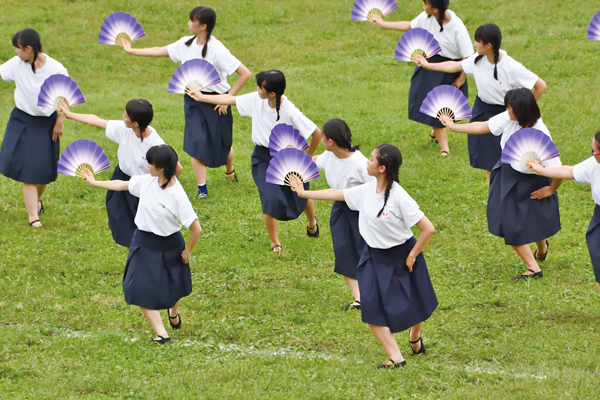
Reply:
x=28 y=153
x=592 y=237
x=484 y=150
x=155 y=276
x=121 y=208
x=280 y=202
x=422 y=82
x=208 y=136
x=389 y=294
x=513 y=215
x=348 y=245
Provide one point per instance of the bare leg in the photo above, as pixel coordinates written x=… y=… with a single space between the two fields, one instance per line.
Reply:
x=199 y=171
x=173 y=312
x=488 y=175
x=272 y=226
x=353 y=285
x=598 y=286
x=542 y=249
x=311 y=219
x=229 y=165
x=415 y=334
x=440 y=134
x=387 y=340
x=153 y=317
x=524 y=251
x=31 y=193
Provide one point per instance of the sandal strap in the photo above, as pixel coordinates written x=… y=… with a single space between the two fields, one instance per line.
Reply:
x=416 y=341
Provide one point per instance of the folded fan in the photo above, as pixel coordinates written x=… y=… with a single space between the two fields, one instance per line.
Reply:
x=289 y=163
x=364 y=10
x=195 y=74
x=82 y=154
x=414 y=42
x=528 y=145
x=120 y=25
x=284 y=136
x=446 y=100
x=594 y=28
x=59 y=87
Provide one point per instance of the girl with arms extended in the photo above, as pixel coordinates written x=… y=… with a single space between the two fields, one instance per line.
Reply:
x=268 y=107
x=587 y=171
x=495 y=73
x=157 y=274
x=453 y=38
x=345 y=167
x=522 y=208
x=31 y=145
x=208 y=130
x=396 y=291
x=135 y=137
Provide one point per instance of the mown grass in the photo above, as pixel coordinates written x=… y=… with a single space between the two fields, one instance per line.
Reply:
x=259 y=326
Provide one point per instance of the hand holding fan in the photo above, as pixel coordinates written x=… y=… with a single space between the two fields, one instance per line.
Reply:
x=59 y=87
x=416 y=41
x=194 y=74
x=528 y=145
x=82 y=154
x=284 y=136
x=120 y=25
x=446 y=100
x=289 y=163
x=594 y=28
x=364 y=10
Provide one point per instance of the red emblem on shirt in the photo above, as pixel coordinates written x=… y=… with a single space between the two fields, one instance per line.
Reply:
x=384 y=214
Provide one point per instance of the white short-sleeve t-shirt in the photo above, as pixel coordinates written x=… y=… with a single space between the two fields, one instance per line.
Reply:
x=344 y=173
x=392 y=228
x=501 y=124
x=161 y=211
x=216 y=54
x=264 y=118
x=132 y=150
x=28 y=84
x=588 y=171
x=511 y=75
x=454 y=40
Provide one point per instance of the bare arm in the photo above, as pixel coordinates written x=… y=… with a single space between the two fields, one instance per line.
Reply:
x=562 y=172
x=539 y=88
x=243 y=75
x=315 y=139
x=427 y=230
x=446 y=66
x=116 y=185
x=179 y=169
x=196 y=230
x=149 y=52
x=58 y=127
x=220 y=99
x=326 y=194
x=473 y=128
x=397 y=26
x=89 y=119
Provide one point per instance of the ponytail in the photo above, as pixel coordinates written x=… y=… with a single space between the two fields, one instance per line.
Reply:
x=28 y=37
x=442 y=6
x=272 y=81
x=338 y=131
x=163 y=156
x=490 y=34
x=140 y=111
x=204 y=16
x=390 y=157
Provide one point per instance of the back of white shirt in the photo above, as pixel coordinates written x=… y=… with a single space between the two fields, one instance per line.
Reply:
x=344 y=173
x=454 y=40
x=588 y=171
x=132 y=150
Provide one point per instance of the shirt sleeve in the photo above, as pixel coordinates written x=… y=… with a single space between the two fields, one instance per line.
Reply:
x=301 y=122
x=186 y=213
x=7 y=70
x=468 y=65
x=353 y=197
x=135 y=185
x=521 y=76
x=322 y=161
x=463 y=41
x=245 y=104
x=114 y=130
x=418 y=21
x=582 y=172
x=411 y=213
x=227 y=63
x=497 y=123
x=175 y=49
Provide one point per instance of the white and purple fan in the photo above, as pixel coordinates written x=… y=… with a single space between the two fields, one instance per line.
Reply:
x=285 y=136
x=446 y=100
x=414 y=42
x=289 y=163
x=59 y=87
x=196 y=74
x=594 y=28
x=120 y=25
x=528 y=145
x=364 y=10
x=82 y=154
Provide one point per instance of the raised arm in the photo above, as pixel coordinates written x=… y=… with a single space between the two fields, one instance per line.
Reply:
x=472 y=128
x=397 y=26
x=539 y=88
x=427 y=230
x=149 y=52
x=446 y=66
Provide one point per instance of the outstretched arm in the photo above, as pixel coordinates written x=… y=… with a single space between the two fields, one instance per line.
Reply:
x=562 y=172
x=326 y=194
x=397 y=26
x=149 y=52
x=116 y=185
x=472 y=128
x=243 y=75
x=446 y=66
x=221 y=99
x=89 y=119
x=427 y=229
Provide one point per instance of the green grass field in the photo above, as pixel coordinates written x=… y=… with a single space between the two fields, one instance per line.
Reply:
x=259 y=326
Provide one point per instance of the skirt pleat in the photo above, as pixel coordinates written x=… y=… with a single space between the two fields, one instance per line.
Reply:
x=348 y=244
x=592 y=238
x=121 y=208
x=484 y=150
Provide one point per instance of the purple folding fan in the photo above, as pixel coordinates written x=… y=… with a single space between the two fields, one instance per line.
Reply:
x=284 y=136
x=594 y=28
x=59 y=87
x=364 y=10
x=195 y=73
x=82 y=154
x=120 y=25
x=528 y=145
x=288 y=163
x=446 y=100
x=414 y=42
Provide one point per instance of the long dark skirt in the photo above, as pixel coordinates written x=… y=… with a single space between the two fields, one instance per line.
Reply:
x=155 y=276
x=389 y=294
x=208 y=136
x=592 y=238
x=121 y=208
x=422 y=82
x=28 y=153
x=348 y=245
x=484 y=150
x=280 y=202
x=513 y=215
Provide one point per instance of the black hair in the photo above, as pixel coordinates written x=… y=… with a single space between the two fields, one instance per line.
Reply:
x=442 y=6
x=523 y=105
x=28 y=37
x=389 y=156
x=490 y=33
x=272 y=81
x=204 y=15
x=338 y=131
x=140 y=111
x=163 y=156
x=597 y=137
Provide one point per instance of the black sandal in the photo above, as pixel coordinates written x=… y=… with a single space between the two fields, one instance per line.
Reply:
x=235 y=177
x=392 y=365
x=162 y=340
x=31 y=224
x=314 y=234
x=432 y=139
x=178 y=324
x=352 y=306
x=41 y=210
x=421 y=349
x=534 y=274
x=542 y=257
x=277 y=251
